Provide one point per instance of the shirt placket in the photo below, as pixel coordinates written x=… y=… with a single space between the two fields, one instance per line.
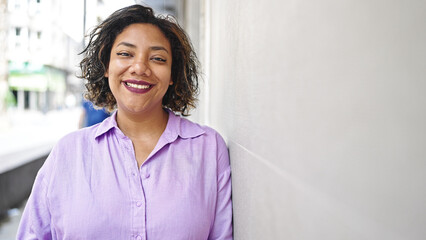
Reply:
x=138 y=200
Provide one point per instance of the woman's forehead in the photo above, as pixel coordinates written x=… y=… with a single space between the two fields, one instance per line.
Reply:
x=142 y=34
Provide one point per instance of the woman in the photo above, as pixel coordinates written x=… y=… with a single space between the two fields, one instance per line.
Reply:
x=143 y=173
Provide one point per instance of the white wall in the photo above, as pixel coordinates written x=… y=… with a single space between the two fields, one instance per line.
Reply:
x=323 y=106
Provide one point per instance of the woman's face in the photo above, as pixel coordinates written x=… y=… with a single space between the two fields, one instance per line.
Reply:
x=140 y=67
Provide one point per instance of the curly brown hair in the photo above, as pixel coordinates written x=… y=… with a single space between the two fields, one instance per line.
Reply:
x=180 y=97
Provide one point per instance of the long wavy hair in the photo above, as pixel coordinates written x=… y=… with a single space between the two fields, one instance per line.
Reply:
x=180 y=97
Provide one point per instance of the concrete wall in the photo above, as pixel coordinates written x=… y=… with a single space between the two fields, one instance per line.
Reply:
x=323 y=106
x=16 y=183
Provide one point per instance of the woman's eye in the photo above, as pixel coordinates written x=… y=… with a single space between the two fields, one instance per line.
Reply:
x=124 y=54
x=159 y=59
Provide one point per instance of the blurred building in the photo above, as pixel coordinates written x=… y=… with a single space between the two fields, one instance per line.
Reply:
x=166 y=7
x=40 y=56
x=3 y=59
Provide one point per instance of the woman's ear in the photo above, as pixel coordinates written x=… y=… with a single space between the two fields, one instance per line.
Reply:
x=106 y=73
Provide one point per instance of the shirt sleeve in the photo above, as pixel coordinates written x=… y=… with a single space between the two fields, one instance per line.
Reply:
x=35 y=221
x=222 y=227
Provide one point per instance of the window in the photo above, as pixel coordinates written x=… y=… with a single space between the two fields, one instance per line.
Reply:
x=18 y=31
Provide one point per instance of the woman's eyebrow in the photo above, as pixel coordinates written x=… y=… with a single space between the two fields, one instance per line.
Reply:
x=157 y=48
x=127 y=44
x=153 y=48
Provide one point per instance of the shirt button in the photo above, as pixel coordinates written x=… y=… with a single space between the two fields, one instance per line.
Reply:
x=133 y=174
x=139 y=204
x=147 y=175
x=138 y=237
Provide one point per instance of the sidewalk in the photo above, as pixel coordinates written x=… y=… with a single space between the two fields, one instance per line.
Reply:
x=25 y=129
x=24 y=135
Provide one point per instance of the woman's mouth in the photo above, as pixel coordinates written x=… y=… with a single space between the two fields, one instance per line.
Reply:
x=137 y=86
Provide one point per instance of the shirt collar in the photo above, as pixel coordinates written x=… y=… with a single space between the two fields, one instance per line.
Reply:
x=107 y=125
x=176 y=126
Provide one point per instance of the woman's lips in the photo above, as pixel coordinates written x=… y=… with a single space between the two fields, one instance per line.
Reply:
x=137 y=86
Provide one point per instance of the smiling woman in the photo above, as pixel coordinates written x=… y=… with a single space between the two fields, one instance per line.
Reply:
x=179 y=98
x=140 y=67
x=144 y=172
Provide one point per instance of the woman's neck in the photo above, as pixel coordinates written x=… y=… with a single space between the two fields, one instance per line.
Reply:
x=140 y=126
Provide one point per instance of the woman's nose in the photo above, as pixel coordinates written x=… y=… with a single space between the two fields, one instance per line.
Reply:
x=140 y=68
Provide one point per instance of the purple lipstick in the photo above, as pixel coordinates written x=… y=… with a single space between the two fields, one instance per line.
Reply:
x=137 y=86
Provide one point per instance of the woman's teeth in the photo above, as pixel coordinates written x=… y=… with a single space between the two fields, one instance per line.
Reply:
x=138 y=86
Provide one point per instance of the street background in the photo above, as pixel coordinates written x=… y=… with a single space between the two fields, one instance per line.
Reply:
x=321 y=103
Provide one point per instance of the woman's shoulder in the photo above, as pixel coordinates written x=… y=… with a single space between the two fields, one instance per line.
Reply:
x=210 y=141
x=67 y=152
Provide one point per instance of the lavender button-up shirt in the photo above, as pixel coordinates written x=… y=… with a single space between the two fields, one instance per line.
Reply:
x=90 y=187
